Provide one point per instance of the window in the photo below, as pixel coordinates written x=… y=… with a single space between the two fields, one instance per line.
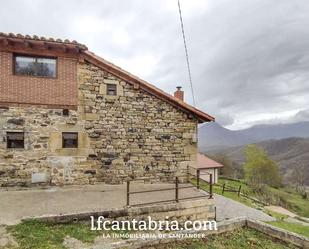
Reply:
x=111 y=89
x=35 y=66
x=15 y=140
x=69 y=139
x=65 y=112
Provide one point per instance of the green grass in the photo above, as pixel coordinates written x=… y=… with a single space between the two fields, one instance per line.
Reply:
x=243 y=238
x=39 y=235
x=285 y=197
x=276 y=215
x=218 y=190
x=292 y=201
x=292 y=227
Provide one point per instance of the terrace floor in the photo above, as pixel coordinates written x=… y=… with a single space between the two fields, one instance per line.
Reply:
x=18 y=204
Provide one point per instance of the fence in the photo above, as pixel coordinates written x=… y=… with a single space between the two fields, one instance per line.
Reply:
x=197 y=177
x=226 y=188
x=229 y=189
x=176 y=188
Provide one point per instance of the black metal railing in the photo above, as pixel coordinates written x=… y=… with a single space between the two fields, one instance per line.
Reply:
x=197 y=176
x=176 y=188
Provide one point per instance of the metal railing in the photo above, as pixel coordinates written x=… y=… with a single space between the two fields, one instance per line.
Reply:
x=175 y=188
x=197 y=176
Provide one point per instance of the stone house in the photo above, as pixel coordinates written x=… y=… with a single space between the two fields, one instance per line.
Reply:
x=67 y=116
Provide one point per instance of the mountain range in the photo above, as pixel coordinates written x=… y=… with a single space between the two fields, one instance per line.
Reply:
x=287 y=144
x=212 y=136
x=289 y=153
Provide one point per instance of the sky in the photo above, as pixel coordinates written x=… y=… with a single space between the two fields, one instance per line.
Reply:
x=249 y=58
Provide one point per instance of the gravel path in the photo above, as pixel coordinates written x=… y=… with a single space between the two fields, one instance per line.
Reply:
x=280 y=210
x=228 y=208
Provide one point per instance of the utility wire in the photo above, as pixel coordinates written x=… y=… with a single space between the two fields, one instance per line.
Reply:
x=186 y=51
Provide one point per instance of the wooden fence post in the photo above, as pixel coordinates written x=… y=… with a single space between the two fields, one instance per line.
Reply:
x=176 y=190
x=223 y=187
x=210 y=186
x=239 y=190
x=128 y=193
x=215 y=213
x=198 y=178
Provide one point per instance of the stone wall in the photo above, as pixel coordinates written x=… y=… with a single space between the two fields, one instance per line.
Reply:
x=194 y=209
x=42 y=153
x=133 y=134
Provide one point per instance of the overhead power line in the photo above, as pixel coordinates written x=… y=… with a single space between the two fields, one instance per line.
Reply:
x=186 y=52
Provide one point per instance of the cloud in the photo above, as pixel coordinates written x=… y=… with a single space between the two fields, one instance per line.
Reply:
x=302 y=115
x=249 y=59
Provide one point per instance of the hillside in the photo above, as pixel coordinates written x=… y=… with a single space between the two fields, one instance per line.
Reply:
x=290 y=153
x=213 y=136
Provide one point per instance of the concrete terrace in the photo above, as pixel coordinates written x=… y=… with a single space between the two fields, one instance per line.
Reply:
x=18 y=204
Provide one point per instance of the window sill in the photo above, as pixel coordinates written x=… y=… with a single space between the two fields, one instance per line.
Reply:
x=111 y=98
x=33 y=76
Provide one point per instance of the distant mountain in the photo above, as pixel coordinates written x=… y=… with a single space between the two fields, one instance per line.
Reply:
x=289 y=153
x=212 y=136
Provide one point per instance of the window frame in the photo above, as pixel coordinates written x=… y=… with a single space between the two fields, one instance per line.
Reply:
x=63 y=139
x=107 y=90
x=7 y=140
x=36 y=57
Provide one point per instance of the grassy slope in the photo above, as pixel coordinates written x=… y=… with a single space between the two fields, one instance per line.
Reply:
x=292 y=227
x=295 y=202
x=298 y=204
x=243 y=238
x=287 y=198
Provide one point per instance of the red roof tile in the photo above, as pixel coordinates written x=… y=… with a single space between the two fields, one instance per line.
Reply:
x=204 y=162
x=42 y=39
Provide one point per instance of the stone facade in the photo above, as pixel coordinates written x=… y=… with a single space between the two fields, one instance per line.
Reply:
x=133 y=134
x=43 y=152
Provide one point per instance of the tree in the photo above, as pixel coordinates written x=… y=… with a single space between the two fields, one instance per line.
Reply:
x=259 y=169
x=229 y=168
x=299 y=178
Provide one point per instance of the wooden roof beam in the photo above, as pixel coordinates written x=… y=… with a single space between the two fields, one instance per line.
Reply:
x=47 y=46
x=27 y=44
x=7 y=42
